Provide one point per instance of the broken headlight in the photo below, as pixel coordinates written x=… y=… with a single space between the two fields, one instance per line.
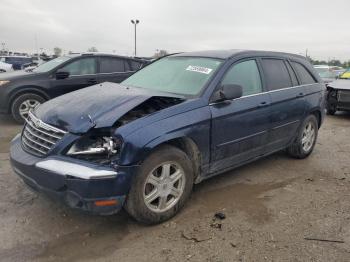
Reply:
x=100 y=149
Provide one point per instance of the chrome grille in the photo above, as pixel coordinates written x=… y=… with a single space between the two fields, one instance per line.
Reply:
x=39 y=138
x=343 y=96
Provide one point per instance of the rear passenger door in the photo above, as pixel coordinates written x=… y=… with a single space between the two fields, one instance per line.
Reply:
x=240 y=126
x=287 y=102
x=114 y=69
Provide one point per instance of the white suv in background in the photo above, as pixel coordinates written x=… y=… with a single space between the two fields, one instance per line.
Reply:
x=5 y=67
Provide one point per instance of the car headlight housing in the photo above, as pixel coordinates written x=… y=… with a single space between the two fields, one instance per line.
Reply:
x=4 y=82
x=99 y=148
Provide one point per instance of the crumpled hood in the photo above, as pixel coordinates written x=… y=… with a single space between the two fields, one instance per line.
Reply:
x=96 y=106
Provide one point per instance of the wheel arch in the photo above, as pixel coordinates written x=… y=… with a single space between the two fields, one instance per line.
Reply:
x=318 y=115
x=24 y=90
x=185 y=144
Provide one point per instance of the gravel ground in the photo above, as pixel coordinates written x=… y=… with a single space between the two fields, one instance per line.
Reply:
x=271 y=206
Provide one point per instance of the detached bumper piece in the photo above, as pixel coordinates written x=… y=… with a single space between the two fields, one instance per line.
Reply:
x=86 y=186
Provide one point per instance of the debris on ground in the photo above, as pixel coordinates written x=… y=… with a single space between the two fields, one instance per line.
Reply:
x=233 y=244
x=216 y=225
x=195 y=238
x=220 y=215
x=324 y=240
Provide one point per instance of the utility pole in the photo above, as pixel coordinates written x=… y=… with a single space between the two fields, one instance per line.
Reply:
x=135 y=22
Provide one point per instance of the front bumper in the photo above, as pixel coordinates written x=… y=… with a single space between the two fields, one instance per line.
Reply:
x=79 y=184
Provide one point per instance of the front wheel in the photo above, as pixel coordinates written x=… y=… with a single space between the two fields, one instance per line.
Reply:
x=161 y=187
x=306 y=139
x=23 y=104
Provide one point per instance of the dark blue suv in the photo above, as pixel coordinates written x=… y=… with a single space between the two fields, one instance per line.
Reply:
x=142 y=144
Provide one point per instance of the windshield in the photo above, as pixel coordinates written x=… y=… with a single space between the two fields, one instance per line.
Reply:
x=180 y=75
x=46 y=67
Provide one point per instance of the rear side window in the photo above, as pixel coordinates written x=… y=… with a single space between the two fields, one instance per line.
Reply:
x=245 y=74
x=135 y=65
x=304 y=74
x=276 y=74
x=112 y=65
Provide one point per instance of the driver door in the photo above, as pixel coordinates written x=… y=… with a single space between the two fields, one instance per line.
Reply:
x=82 y=73
x=240 y=126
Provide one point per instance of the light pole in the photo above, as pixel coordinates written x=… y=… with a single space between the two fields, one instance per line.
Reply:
x=135 y=22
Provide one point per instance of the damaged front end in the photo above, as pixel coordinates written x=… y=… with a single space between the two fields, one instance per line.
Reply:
x=150 y=106
x=98 y=146
x=102 y=146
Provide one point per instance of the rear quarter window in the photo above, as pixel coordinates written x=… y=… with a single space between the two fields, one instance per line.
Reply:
x=112 y=65
x=304 y=75
x=135 y=65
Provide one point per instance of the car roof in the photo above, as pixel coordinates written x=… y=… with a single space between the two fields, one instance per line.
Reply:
x=226 y=54
x=104 y=54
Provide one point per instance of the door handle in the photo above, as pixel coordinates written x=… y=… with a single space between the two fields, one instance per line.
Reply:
x=263 y=104
x=92 y=81
x=300 y=95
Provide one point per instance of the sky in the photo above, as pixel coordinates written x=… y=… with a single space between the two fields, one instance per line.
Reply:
x=319 y=26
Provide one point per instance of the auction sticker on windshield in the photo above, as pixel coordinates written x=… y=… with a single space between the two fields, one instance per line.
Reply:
x=199 y=69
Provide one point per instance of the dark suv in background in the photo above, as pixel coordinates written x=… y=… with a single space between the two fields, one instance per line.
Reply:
x=22 y=91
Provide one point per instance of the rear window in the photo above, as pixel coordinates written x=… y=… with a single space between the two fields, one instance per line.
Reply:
x=276 y=74
x=304 y=74
x=111 y=65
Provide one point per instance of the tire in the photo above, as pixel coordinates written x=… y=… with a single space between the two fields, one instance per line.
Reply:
x=22 y=103
x=141 y=189
x=299 y=149
x=331 y=111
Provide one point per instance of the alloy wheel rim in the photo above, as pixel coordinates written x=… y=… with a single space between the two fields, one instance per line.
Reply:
x=308 y=137
x=26 y=106
x=164 y=187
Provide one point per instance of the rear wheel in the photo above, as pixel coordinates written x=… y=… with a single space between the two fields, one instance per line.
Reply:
x=306 y=140
x=161 y=187
x=23 y=104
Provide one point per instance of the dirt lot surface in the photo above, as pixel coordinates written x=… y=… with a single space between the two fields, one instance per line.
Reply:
x=271 y=206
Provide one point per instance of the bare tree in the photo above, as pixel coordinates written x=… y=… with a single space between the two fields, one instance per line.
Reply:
x=160 y=53
x=92 y=49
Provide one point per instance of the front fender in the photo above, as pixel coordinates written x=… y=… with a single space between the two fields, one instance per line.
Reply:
x=194 y=125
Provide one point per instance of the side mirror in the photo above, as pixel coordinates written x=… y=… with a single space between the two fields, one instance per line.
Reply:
x=227 y=92
x=61 y=74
